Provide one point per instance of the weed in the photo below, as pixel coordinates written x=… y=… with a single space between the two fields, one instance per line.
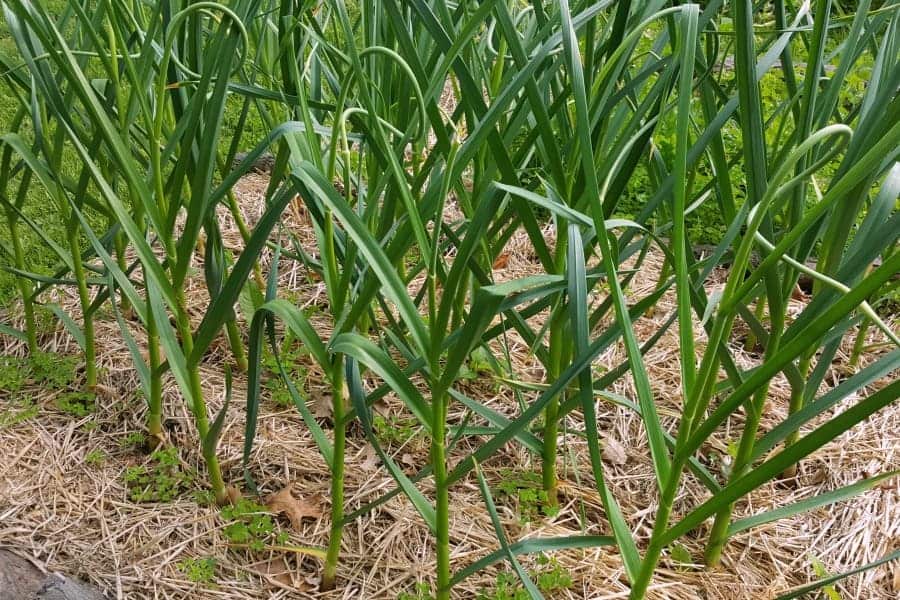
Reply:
x=204 y=497
x=53 y=370
x=12 y=374
x=480 y=364
x=77 y=404
x=250 y=525
x=18 y=411
x=135 y=439
x=822 y=573
x=393 y=429
x=199 y=570
x=524 y=488
x=549 y=577
x=290 y=355
x=422 y=591
x=162 y=481
x=95 y=458
x=680 y=555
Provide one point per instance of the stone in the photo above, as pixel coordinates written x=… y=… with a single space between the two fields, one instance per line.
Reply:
x=21 y=580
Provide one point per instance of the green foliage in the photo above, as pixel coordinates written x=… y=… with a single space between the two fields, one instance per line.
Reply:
x=250 y=525
x=565 y=115
x=77 y=404
x=523 y=488
x=507 y=587
x=204 y=497
x=134 y=440
x=162 y=480
x=822 y=573
x=680 y=554
x=17 y=410
x=291 y=354
x=550 y=577
x=95 y=458
x=394 y=429
x=52 y=370
x=199 y=570
x=479 y=365
x=13 y=374
x=421 y=591
x=46 y=369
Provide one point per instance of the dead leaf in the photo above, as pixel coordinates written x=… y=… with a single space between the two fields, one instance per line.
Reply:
x=370 y=459
x=408 y=459
x=313 y=581
x=234 y=494
x=296 y=509
x=321 y=406
x=614 y=452
x=381 y=407
x=896 y=583
x=502 y=261
x=819 y=475
x=277 y=569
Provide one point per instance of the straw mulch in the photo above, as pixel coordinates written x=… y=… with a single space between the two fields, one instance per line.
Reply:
x=75 y=515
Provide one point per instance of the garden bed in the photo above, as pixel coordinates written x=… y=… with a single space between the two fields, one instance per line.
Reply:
x=79 y=492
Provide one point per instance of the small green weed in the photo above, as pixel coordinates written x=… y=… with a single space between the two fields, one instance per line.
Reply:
x=549 y=577
x=290 y=354
x=251 y=525
x=135 y=439
x=422 y=591
x=162 y=481
x=204 y=497
x=77 y=404
x=393 y=429
x=13 y=374
x=480 y=363
x=525 y=489
x=822 y=573
x=95 y=458
x=17 y=411
x=52 y=370
x=680 y=555
x=199 y=570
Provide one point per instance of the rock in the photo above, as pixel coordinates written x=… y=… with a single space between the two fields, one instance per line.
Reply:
x=18 y=577
x=59 y=588
x=21 y=580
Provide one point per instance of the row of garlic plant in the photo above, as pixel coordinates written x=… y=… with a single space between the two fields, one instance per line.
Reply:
x=556 y=109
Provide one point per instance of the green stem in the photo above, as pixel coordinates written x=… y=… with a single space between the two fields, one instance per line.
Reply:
x=759 y=312
x=719 y=534
x=84 y=296
x=798 y=393
x=859 y=343
x=121 y=247
x=237 y=345
x=442 y=492
x=201 y=419
x=338 y=392
x=654 y=549
x=551 y=413
x=24 y=286
x=154 y=402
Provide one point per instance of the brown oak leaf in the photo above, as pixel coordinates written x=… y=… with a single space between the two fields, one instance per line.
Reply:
x=296 y=509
